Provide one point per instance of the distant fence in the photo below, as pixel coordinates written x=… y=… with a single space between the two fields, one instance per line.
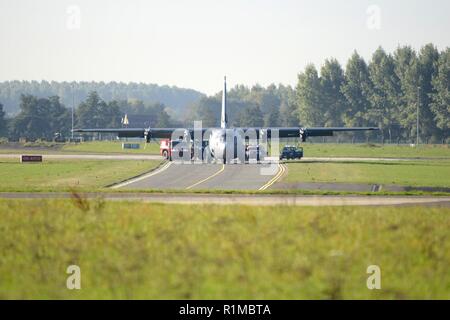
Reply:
x=337 y=140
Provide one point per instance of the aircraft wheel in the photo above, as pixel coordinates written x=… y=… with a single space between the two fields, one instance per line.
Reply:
x=207 y=155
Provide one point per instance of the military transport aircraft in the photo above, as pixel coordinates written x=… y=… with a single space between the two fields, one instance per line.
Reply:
x=225 y=143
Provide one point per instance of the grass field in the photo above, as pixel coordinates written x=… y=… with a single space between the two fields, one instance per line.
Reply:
x=156 y=251
x=60 y=175
x=111 y=147
x=310 y=149
x=375 y=150
x=419 y=173
x=84 y=147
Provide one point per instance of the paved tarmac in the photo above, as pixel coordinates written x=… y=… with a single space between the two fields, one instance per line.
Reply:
x=257 y=200
x=206 y=177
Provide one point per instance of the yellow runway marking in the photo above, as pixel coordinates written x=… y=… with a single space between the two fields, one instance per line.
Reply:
x=280 y=172
x=206 y=179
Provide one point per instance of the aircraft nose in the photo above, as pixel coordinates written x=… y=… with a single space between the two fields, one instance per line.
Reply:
x=220 y=152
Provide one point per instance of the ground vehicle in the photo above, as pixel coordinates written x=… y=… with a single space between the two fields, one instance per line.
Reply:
x=169 y=148
x=165 y=149
x=291 y=152
x=252 y=153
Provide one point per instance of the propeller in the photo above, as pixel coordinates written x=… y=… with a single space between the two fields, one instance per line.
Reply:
x=302 y=135
x=146 y=133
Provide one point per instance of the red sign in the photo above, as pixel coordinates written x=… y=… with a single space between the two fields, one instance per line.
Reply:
x=30 y=158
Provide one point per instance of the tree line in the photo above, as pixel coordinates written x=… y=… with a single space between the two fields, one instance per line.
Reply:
x=76 y=92
x=387 y=91
x=48 y=118
x=249 y=107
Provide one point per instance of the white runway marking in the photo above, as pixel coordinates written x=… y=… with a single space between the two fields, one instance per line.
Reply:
x=145 y=176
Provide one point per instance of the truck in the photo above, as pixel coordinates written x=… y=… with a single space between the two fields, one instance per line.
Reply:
x=291 y=152
x=165 y=148
x=168 y=148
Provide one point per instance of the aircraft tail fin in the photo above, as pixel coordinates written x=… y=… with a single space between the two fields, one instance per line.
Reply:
x=224 y=118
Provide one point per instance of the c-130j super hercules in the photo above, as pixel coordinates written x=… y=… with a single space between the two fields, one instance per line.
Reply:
x=225 y=144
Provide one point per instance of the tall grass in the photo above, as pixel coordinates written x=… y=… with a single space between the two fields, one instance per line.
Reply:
x=157 y=251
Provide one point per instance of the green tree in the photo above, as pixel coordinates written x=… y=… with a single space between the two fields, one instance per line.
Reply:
x=207 y=110
x=96 y=113
x=251 y=116
x=408 y=72
x=3 y=130
x=177 y=99
x=333 y=100
x=87 y=113
x=383 y=109
x=269 y=103
x=428 y=64
x=110 y=112
x=357 y=90
x=40 y=118
x=31 y=122
x=288 y=107
x=309 y=97
x=440 y=97
x=162 y=116
x=60 y=118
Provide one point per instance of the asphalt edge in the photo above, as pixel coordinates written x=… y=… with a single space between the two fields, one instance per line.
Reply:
x=161 y=164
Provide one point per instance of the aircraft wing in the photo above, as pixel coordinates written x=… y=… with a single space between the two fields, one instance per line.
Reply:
x=323 y=132
x=121 y=132
x=133 y=132
x=287 y=132
x=303 y=133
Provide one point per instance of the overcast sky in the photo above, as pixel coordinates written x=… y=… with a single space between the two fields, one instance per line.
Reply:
x=194 y=43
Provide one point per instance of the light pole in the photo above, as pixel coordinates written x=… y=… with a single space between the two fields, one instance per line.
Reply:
x=417 y=124
x=73 y=106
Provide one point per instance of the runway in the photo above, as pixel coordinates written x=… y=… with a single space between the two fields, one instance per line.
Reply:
x=252 y=200
x=232 y=176
x=207 y=177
